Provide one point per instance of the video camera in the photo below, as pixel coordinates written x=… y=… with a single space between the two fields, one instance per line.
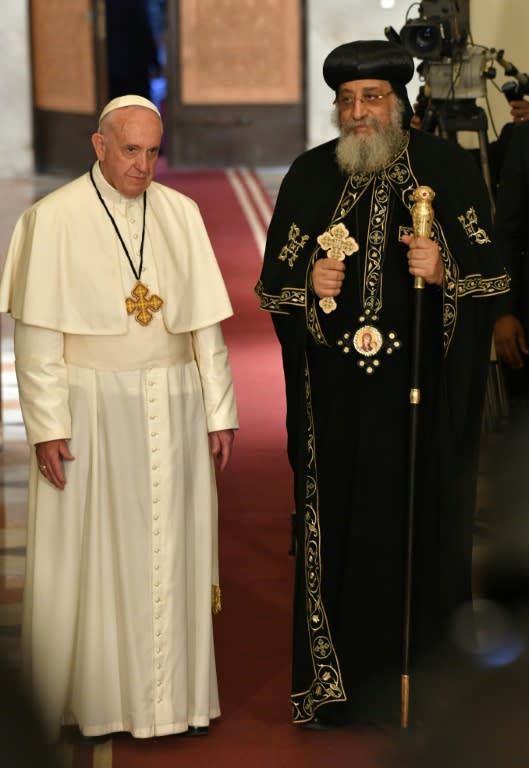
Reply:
x=451 y=67
x=440 y=32
x=454 y=72
x=513 y=90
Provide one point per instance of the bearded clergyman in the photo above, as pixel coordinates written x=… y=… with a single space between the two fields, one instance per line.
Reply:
x=342 y=265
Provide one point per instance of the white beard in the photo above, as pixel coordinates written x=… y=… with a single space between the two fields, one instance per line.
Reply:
x=369 y=153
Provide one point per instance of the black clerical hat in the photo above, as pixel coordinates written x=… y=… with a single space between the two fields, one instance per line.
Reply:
x=368 y=60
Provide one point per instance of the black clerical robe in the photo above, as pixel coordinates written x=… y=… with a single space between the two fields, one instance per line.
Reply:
x=348 y=413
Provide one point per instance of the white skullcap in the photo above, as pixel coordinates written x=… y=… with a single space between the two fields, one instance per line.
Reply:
x=128 y=101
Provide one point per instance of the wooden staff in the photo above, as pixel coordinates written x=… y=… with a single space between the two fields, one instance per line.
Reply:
x=422 y=217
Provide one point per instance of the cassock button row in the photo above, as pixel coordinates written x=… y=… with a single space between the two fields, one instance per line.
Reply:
x=156 y=483
x=156 y=517
x=156 y=532
x=156 y=500
x=157 y=567
x=157 y=600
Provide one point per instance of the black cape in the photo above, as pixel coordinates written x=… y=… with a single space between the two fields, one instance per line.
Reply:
x=348 y=430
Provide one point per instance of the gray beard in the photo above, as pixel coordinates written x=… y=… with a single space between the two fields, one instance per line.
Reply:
x=369 y=153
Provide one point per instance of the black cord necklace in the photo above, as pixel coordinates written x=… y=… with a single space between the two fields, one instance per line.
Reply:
x=143 y=304
x=137 y=273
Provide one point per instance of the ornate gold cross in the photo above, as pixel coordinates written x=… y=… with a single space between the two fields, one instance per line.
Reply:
x=338 y=244
x=143 y=304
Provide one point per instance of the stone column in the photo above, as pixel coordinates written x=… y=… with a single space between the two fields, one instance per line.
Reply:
x=16 y=139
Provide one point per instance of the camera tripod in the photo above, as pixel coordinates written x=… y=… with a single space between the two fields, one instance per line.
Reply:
x=449 y=117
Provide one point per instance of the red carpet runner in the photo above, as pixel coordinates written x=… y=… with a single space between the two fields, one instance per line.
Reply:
x=253 y=630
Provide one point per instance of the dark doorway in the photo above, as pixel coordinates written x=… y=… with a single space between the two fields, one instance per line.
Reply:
x=235 y=91
x=133 y=46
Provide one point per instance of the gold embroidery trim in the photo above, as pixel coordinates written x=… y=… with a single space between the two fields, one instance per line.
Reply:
x=480 y=286
x=295 y=297
x=326 y=685
x=313 y=325
x=216 y=599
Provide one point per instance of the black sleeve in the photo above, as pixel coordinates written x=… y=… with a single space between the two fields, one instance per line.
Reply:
x=512 y=218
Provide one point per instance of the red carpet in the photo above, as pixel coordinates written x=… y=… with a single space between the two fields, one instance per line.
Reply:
x=253 y=629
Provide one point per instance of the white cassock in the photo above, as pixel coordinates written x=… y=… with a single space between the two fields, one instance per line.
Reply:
x=121 y=564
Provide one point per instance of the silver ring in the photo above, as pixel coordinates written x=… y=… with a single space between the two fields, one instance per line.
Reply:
x=42 y=467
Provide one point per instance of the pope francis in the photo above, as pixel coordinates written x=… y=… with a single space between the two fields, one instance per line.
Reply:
x=127 y=398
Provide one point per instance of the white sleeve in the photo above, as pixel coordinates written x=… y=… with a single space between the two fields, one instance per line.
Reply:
x=214 y=368
x=42 y=382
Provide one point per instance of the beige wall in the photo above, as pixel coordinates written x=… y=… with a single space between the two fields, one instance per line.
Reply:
x=501 y=24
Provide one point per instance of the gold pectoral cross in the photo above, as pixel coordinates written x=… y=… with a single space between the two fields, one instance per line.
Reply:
x=143 y=304
x=338 y=244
